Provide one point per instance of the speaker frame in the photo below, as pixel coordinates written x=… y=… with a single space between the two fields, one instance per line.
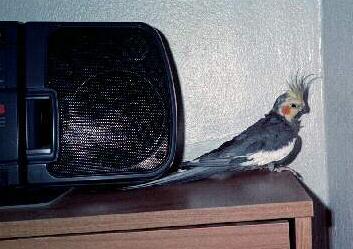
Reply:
x=36 y=41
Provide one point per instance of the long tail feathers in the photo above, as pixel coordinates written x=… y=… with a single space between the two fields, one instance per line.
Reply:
x=190 y=174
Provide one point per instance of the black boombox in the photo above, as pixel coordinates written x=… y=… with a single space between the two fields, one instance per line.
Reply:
x=84 y=102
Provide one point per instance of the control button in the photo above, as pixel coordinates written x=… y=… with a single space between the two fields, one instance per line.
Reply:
x=2 y=38
x=2 y=66
x=2 y=35
x=2 y=109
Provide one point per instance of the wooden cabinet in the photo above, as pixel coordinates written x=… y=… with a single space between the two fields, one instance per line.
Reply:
x=255 y=210
x=260 y=236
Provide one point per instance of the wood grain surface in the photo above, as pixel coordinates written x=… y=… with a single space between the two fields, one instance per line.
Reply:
x=260 y=236
x=247 y=197
x=303 y=233
x=246 y=189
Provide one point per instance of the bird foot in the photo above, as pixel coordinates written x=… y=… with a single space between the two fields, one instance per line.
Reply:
x=271 y=167
x=286 y=168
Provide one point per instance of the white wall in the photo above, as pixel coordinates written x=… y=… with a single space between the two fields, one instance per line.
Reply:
x=233 y=58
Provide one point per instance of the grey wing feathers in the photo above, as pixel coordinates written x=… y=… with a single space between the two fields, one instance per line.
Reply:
x=269 y=133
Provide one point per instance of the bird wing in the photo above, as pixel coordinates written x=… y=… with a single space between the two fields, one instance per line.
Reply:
x=268 y=134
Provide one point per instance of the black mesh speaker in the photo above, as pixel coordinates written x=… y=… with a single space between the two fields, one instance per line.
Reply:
x=116 y=110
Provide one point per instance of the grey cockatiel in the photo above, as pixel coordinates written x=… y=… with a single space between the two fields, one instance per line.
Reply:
x=266 y=144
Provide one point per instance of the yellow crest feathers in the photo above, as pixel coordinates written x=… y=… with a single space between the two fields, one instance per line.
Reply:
x=299 y=86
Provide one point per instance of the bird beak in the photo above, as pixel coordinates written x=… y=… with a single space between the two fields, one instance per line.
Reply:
x=306 y=109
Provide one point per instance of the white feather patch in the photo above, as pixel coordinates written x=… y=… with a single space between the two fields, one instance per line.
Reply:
x=265 y=157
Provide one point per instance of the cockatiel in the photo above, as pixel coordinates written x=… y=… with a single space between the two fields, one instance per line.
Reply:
x=265 y=144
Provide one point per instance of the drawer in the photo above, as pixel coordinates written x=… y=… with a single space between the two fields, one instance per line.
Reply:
x=255 y=236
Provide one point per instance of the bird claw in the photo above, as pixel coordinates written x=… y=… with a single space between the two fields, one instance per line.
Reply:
x=286 y=168
x=271 y=167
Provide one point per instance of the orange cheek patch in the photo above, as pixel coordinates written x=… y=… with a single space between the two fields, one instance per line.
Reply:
x=286 y=110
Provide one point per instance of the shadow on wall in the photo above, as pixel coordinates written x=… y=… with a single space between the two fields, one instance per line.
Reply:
x=322 y=215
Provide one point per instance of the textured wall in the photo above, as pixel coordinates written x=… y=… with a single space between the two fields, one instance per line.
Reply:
x=233 y=58
x=337 y=54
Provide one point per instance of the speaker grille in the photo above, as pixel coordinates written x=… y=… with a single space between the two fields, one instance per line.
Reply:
x=113 y=100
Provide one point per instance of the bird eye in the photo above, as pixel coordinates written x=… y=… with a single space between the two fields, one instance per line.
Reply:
x=293 y=105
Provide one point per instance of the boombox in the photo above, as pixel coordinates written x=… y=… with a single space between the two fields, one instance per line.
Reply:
x=84 y=102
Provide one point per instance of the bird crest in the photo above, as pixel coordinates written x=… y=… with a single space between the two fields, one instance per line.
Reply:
x=298 y=87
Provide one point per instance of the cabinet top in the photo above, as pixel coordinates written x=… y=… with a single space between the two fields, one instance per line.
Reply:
x=251 y=196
